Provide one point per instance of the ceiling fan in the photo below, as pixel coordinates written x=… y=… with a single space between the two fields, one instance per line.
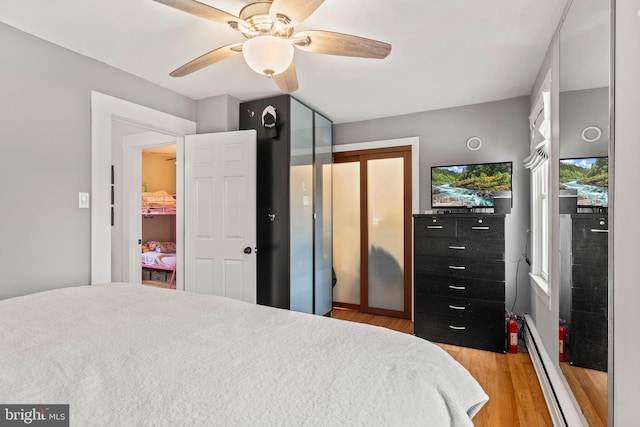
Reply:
x=268 y=27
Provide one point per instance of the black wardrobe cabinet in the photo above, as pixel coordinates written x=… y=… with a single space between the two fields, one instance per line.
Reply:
x=294 y=243
x=459 y=280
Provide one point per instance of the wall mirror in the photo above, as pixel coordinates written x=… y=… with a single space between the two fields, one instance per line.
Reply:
x=583 y=205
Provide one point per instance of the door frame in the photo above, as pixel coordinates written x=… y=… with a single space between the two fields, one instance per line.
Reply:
x=131 y=218
x=414 y=142
x=105 y=109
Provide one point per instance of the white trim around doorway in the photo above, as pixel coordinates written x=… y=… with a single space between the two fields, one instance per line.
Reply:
x=105 y=109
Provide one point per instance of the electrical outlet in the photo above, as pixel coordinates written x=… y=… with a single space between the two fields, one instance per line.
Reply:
x=83 y=200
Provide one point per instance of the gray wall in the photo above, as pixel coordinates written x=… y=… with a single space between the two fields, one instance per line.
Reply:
x=579 y=109
x=46 y=120
x=502 y=126
x=217 y=114
x=626 y=292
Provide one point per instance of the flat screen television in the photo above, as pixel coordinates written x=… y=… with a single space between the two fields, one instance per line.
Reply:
x=470 y=186
x=589 y=177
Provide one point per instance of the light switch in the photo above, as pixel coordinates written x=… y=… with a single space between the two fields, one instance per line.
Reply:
x=83 y=200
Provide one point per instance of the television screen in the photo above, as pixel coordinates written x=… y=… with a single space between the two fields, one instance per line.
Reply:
x=473 y=185
x=589 y=176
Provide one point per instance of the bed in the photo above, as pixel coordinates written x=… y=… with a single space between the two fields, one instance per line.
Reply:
x=131 y=355
x=159 y=256
x=158 y=203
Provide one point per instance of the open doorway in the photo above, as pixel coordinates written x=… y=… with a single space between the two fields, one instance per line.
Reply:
x=105 y=111
x=158 y=229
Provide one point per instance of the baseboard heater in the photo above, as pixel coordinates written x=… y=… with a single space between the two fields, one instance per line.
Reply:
x=563 y=408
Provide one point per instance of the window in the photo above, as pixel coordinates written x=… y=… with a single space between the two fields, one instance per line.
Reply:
x=540 y=219
x=538 y=164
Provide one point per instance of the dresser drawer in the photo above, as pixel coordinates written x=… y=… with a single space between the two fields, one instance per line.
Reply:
x=589 y=276
x=484 y=227
x=436 y=226
x=591 y=300
x=427 y=285
x=461 y=308
x=460 y=247
x=588 y=344
x=460 y=267
x=455 y=331
x=590 y=237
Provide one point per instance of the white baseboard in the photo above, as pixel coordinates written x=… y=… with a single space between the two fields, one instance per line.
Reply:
x=563 y=407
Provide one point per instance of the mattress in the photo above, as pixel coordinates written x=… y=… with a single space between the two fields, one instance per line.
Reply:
x=130 y=355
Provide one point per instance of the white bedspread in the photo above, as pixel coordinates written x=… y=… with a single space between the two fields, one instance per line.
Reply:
x=130 y=355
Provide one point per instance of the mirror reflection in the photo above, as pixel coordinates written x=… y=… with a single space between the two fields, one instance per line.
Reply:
x=584 y=209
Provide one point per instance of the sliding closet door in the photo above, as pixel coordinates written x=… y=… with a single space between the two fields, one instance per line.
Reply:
x=346 y=232
x=372 y=231
x=385 y=230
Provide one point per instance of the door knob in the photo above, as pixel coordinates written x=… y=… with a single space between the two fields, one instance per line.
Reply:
x=247 y=250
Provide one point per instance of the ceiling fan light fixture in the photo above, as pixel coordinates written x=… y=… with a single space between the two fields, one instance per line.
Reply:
x=267 y=54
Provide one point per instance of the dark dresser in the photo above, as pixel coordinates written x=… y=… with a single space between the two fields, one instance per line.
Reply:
x=459 y=278
x=588 y=344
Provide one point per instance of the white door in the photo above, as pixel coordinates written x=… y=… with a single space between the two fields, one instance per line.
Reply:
x=220 y=214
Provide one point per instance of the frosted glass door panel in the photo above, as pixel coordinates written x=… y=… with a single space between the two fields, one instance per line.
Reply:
x=346 y=232
x=386 y=233
x=323 y=249
x=301 y=208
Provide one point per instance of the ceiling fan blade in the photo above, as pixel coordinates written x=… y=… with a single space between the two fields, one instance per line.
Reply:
x=296 y=10
x=201 y=10
x=207 y=59
x=331 y=43
x=287 y=81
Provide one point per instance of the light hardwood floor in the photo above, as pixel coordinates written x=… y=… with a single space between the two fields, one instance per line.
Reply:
x=515 y=397
x=590 y=389
x=156 y=284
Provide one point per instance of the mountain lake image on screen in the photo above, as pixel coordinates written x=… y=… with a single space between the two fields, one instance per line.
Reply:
x=470 y=186
x=589 y=177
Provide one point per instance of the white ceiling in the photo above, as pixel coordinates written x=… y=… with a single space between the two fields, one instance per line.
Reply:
x=445 y=53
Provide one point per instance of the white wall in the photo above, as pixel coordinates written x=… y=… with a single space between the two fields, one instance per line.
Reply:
x=45 y=102
x=626 y=290
x=504 y=129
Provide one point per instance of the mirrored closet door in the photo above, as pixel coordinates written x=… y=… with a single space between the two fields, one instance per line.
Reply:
x=584 y=209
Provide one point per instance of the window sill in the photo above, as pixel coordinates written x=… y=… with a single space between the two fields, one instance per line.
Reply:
x=541 y=287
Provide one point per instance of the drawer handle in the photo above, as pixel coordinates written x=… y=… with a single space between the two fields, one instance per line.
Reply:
x=455 y=267
x=457 y=307
x=457 y=288
x=457 y=328
x=458 y=248
x=597 y=230
x=479 y=228
x=437 y=227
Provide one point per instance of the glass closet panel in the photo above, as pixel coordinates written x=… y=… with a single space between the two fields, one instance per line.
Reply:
x=385 y=215
x=323 y=217
x=301 y=208
x=346 y=236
